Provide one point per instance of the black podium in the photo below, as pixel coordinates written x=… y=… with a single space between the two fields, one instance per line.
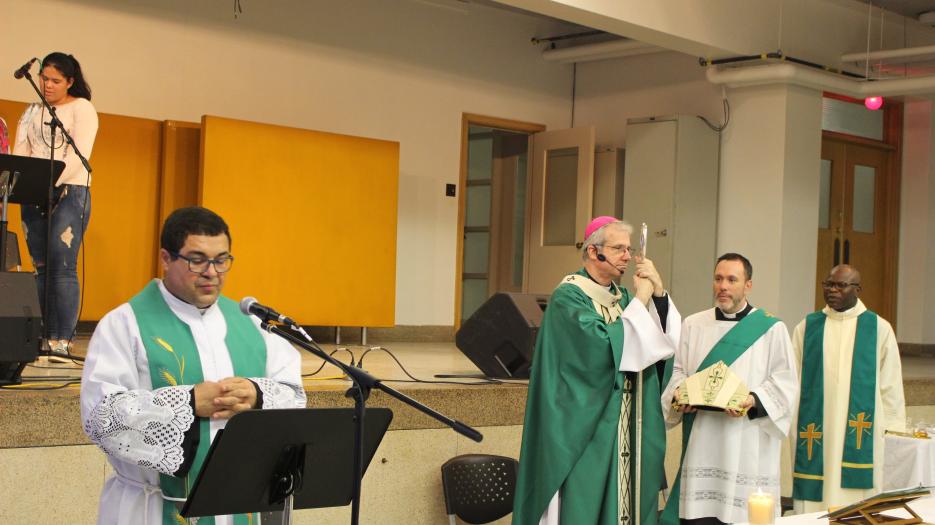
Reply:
x=24 y=180
x=272 y=460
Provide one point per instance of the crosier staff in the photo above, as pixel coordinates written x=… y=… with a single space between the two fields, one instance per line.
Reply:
x=639 y=410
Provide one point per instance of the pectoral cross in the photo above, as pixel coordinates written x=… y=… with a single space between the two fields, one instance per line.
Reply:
x=860 y=425
x=811 y=435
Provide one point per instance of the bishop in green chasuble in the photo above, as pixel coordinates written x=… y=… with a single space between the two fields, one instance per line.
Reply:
x=597 y=368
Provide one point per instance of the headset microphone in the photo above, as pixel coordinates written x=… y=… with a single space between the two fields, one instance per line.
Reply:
x=601 y=257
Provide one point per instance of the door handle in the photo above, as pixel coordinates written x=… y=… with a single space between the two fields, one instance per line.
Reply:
x=579 y=245
x=837 y=251
x=847 y=251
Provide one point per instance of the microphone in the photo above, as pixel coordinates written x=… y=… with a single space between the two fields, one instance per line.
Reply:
x=21 y=72
x=602 y=258
x=250 y=306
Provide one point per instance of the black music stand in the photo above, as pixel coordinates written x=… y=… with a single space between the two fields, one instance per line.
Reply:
x=24 y=180
x=272 y=460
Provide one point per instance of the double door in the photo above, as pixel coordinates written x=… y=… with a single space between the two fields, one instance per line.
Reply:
x=855 y=220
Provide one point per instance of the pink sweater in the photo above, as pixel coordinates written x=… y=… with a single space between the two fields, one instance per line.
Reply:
x=32 y=137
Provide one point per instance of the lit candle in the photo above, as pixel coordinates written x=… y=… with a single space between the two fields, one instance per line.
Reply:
x=761 y=508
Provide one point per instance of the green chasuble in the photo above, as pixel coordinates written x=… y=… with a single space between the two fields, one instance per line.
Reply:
x=857 y=461
x=731 y=346
x=573 y=410
x=174 y=360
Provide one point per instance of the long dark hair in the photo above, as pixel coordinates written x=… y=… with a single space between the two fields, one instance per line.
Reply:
x=69 y=67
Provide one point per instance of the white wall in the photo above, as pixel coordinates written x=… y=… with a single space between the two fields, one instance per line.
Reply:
x=610 y=92
x=767 y=170
x=916 y=306
x=403 y=70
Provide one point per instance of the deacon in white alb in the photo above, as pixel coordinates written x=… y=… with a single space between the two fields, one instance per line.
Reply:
x=730 y=454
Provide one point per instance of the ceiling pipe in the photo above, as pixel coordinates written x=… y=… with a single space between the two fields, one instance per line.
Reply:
x=905 y=54
x=600 y=51
x=820 y=80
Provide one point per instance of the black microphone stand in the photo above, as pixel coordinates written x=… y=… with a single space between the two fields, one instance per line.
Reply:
x=360 y=391
x=54 y=123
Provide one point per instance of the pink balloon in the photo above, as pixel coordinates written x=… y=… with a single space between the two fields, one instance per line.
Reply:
x=873 y=103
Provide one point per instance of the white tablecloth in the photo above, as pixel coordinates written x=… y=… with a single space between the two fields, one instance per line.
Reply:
x=924 y=507
x=908 y=462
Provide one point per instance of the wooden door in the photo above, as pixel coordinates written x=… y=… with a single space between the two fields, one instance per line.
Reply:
x=853 y=219
x=492 y=209
x=560 y=204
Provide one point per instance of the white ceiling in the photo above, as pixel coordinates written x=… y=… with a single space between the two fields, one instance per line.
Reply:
x=910 y=8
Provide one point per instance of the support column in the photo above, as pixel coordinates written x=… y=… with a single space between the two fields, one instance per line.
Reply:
x=916 y=288
x=768 y=193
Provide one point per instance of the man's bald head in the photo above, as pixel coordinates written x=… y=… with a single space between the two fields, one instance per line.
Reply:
x=842 y=287
x=844 y=272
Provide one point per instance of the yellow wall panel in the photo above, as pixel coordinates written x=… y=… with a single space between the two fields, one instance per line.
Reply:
x=312 y=216
x=181 y=162
x=123 y=236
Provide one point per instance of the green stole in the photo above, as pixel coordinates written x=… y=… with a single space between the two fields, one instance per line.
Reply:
x=174 y=360
x=731 y=346
x=857 y=460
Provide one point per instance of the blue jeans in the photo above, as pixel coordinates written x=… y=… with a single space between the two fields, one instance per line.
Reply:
x=61 y=265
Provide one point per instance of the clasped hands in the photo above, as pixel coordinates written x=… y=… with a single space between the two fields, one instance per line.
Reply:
x=646 y=280
x=224 y=398
x=688 y=409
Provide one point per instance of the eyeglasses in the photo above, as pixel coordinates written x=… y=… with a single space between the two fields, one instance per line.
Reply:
x=836 y=285
x=619 y=248
x=200 y=264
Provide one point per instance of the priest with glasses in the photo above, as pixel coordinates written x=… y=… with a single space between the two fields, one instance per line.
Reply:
x=852 y=393
x=168 y=368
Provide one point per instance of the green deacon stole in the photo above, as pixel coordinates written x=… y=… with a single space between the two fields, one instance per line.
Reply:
x=174 y=360
x=857 y=460
x=734 y=343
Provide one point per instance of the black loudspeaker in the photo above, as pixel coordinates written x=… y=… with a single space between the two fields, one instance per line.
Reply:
x=20 y=324
x=501 y=335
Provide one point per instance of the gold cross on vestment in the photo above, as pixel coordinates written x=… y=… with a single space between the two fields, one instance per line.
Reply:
x=860 y=426
x=811 y=435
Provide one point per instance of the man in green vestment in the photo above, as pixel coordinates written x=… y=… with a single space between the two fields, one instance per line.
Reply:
x=166 y=370
x=852 y=393
x=596 y=372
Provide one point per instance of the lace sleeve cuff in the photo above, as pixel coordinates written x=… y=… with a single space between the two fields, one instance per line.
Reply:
x=276 y=394
x=144 y=428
